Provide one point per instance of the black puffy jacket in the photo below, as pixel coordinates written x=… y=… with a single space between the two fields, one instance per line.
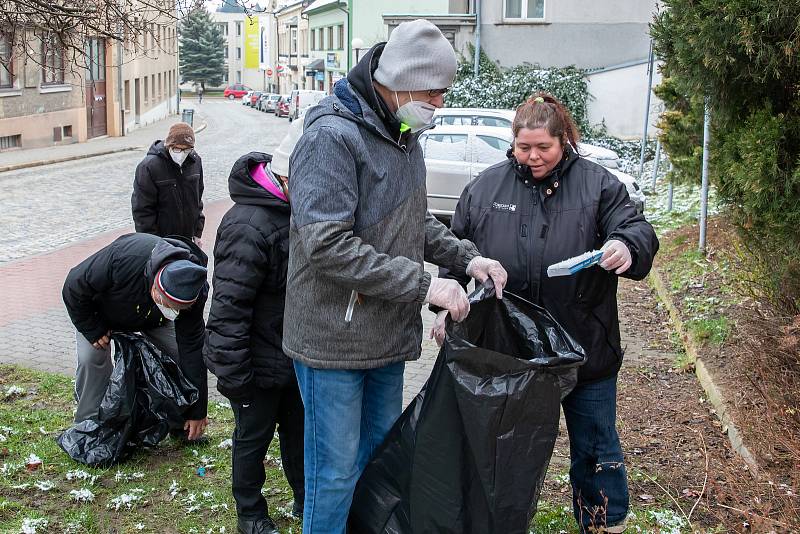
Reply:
x=251 y=254
x=110 y=290
x=168 y=199
x=528 y=225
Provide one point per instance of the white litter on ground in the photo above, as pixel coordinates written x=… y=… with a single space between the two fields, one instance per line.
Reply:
x=225 y=444
x=82 y=495
x=45 y=485
x=30 y=526
x=80 y=474
x=125 y=477
x=128 y=500
x=12 y=391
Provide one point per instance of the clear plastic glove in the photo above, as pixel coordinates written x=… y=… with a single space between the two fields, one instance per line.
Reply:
x=481 y=268
x=448 y=294
x=437 y=332
x=616 y=256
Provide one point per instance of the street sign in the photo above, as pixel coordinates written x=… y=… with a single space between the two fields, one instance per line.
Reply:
x=269 y=71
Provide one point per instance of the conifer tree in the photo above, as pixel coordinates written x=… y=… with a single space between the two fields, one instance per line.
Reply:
x=202 y=48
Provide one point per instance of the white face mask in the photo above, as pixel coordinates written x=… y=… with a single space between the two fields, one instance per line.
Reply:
x=414 y=114
x=178 y=156
x=168 y=313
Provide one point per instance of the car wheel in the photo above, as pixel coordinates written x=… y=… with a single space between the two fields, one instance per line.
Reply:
x=231 y=97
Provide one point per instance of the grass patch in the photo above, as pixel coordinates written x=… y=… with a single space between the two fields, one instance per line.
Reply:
x=155 y=491
x=714 y=331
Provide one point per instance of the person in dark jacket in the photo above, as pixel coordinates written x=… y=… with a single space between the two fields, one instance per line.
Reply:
x=167 y=197
x=139 y=283
x=543 y=205
x=245 y=327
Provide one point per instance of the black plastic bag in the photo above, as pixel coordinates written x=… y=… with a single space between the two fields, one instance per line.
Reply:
x=470 y=453
x=146 y=395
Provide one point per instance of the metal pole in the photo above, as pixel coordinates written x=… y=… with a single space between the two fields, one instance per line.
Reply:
x=669 y=198
x=477 y=65
x=704 y=188
x=656 y=162
x=646 y=108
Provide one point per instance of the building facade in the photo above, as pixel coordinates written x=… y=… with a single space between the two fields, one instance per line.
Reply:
x=249 y=40
x=56 y=97
x=291 y=54
x=328 y=39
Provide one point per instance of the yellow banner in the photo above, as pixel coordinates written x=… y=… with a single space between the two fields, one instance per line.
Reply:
x=252 y=43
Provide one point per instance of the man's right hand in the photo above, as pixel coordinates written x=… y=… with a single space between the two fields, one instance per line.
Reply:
x=103 y=342
x=449 y=294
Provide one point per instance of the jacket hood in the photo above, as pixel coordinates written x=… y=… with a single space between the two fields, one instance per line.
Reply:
x=172 y=249
x=158 y=148
x=244 y=190
x=360 y=78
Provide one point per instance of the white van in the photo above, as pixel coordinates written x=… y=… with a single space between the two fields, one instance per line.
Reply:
x=301 y=99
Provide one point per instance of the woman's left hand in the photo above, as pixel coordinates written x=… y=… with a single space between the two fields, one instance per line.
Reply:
x=616 y=256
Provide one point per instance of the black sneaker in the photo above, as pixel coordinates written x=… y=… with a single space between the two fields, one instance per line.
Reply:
x=257 y=526
x=297 y=509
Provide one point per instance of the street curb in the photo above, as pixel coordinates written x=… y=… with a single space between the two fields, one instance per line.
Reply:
x=712 y=390
x=39 y=163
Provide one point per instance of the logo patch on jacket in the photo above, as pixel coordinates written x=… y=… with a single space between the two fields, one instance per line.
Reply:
x=499 y=206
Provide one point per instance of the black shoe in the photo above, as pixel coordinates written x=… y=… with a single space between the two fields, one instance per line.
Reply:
x=297 y=509
x=257 y=526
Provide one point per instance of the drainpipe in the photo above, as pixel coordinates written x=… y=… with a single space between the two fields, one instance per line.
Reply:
x=119 y=90
x=476 y=66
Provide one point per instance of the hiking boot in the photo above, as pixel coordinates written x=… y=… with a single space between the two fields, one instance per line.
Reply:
x=263 y=525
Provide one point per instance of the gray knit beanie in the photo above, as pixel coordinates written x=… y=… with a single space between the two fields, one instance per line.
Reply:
x=416 y=58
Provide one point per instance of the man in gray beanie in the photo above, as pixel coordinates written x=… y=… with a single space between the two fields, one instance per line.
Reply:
x=359 y=235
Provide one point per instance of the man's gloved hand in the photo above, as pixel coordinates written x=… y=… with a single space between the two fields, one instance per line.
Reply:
x=448 y=294
x=481 y=268
x=437 y=332
x=616 y=256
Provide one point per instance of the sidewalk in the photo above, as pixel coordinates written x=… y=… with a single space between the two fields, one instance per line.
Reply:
x=135 y=140
x=36 y=332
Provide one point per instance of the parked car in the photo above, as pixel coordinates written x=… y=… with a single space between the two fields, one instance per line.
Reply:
x=233 y=92
x=260 y=102
x=282 y=107
x=301 y=99
x=246 y=98
x=501 y=118
x=456 y=154
x=270 y=103
x=254 y=98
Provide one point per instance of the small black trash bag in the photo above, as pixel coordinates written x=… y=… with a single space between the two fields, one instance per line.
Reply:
x=146 y=395
x=470 y=453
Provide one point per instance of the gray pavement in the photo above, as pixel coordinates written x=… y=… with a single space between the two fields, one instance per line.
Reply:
x=55 y=215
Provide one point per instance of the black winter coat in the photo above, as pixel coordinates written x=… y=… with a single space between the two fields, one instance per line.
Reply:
x=251 y=254
x=528 y=225
x=168 y=199
x=110 y=290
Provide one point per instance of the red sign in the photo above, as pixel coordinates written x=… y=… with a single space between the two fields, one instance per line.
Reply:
x=280 y=68
x=269 y=72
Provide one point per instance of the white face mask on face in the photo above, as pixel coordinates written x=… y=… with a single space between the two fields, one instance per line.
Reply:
x=168 y=313
x=414 y=114
x=178 y=156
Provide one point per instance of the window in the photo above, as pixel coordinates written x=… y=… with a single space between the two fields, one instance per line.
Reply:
x=238 y=28
x=330 y=38
x=340 y=35
x=225 y=50
x=127 y=104
x=238 y=76
x=160 y=87
x=96 y=58
x=238 y=52
x=313 y=39
x=146 y=92
x=493 y=121
x=447 y=147
x=52 y=60
x=524 y=9
x=293 y=44
x=153 y=86
x=223 y=27
x=6 y=62
x=490 y=150
x=454 y=120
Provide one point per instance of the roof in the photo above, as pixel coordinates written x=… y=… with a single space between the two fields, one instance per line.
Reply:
x=319 y=4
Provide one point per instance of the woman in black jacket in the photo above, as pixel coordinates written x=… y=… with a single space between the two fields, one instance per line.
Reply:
x=244 y=331
x=542 y=205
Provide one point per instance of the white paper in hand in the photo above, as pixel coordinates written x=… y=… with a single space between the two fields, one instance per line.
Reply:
x=573 y=265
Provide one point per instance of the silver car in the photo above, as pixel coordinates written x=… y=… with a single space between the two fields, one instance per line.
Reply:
x=461 y=146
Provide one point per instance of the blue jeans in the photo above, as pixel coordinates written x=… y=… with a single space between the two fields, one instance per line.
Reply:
x=597 y=471
x=347 y=415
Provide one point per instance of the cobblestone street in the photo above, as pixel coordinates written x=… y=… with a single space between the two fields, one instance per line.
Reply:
x=56 y=215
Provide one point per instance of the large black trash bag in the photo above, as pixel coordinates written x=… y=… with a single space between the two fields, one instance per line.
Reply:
x=146 y=394
x=470 y=453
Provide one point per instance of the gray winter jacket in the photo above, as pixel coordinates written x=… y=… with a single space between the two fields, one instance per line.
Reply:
x=359 y=234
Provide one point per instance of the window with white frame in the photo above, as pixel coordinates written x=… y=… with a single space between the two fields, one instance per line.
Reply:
x=340 y=35
x=524 y=9
x=52 y=60
x=313 y=39
x=6 y=62
x=331 y=44
x=293 y=44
